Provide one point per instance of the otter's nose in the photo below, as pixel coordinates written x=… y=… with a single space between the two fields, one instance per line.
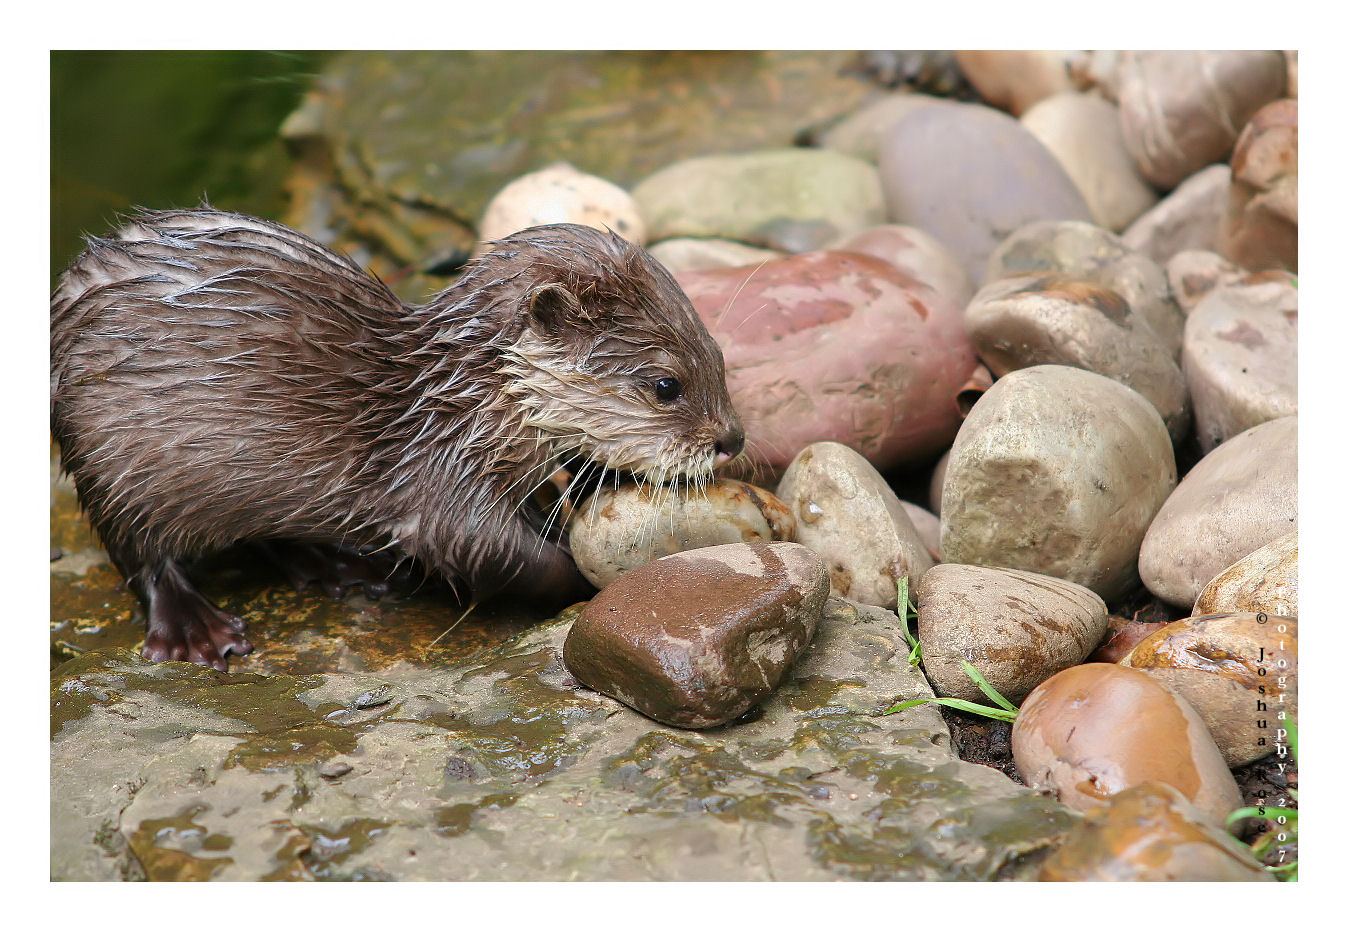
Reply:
x=730 y=443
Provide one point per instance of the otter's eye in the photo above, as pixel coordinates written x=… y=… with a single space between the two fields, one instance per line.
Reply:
x=668 y=389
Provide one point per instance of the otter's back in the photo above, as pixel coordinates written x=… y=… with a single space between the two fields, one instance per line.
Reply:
x=203 y=365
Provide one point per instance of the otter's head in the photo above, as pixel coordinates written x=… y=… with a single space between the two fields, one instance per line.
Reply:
x=612 y=360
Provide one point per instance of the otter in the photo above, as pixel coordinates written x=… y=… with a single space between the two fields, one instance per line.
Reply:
x=219 y=378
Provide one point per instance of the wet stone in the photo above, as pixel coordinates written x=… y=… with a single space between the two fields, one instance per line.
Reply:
x=500 y=767
x=1097 y=729
x=1237 y=669
x=615 y=530
x=1150 y=833
x=697 y=638
x=1264 y=581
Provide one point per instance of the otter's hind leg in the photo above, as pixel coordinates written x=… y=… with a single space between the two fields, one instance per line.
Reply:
x=182 y=624
x=337 y=568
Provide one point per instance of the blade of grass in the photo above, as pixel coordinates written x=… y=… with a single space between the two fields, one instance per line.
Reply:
x=988 y=689
x=962 y=704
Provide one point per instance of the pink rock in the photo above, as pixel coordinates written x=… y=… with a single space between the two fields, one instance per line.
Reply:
x=836 y=346
x=1259 y=230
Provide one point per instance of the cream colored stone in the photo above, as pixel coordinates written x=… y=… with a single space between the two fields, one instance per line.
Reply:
x=847 y=513
x=561 y=194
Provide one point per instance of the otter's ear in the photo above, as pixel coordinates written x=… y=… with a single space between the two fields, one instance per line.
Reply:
x=556 y=308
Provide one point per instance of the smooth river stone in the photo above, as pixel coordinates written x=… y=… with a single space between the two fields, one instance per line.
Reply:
x=913 y=252
x=616 y=530
x=1016 y=79
x=1150 y=832
x=1238 y=671
x=689 y=254
x=1030 y=320
x=1015 y=628
x=1235 y=500
x=846 y=512
x=1259 y=230
x=561 y=194
x=1189 y=217
x=1057 y=471
x=861 y=133
x=1265 y=581
x=698 y=638
x=1098 y=729
x=967 y=174
x=1087 y=252
x=789 y=199
x=1240 y=359
x=1182 y=110
x=836 y=346
x=1083 y=131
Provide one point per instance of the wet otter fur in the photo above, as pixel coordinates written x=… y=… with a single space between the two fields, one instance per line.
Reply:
x=217 y=378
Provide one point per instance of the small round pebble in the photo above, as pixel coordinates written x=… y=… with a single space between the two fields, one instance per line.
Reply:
x=698 y=638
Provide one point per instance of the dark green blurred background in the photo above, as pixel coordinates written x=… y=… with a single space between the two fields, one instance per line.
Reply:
x=164 y=129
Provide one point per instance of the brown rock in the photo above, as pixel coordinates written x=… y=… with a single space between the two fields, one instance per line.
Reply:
x=1238 y=671
x=1259 y=230
x=1149 y=833
x=697 y=638
x=836 y=346
x=1121 y=636
x=1015 y=628
x=1098 y=729
x=1265 y=581
x=1181 y=111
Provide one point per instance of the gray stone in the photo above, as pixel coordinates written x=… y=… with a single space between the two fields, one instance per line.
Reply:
x=1028 y=320
x=969 y=175
x=697 y=638
x=1240 y=359
x=502 y=768
x=1087 y=252
x=1057 y=471
x=1189 y=217
x=789 y=199
x=1239 y=497
x=862 y=132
